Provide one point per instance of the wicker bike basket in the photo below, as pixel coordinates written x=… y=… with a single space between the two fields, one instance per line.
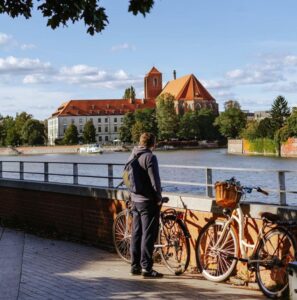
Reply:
x=227 y=195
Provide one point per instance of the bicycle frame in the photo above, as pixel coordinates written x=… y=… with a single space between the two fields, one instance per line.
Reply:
x=237 y=216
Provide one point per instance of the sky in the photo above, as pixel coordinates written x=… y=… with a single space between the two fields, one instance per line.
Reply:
x=244 y=50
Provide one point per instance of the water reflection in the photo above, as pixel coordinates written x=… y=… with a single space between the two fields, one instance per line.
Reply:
x=205 y=158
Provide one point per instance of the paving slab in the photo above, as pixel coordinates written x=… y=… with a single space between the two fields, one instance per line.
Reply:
x=52 y=269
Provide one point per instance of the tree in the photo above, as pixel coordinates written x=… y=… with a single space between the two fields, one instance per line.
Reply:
x=89 y=133
x=20 y=121
x=71 y=135
x=292 y=124
x=189 y=127
x=136 y=131
x=147 y=117
x=33 y=132
x=61 y=12
x=279 y=112
x=129 y=93
x=250 y=131
x=231 y=104
x=266 y=128
x=206 y=124
x=231 y=122
x=166 y=117
x=125 y=130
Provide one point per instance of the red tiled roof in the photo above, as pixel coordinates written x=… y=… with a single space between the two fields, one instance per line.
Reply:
x=187 y=88
x=101 y=107
x=153 y=71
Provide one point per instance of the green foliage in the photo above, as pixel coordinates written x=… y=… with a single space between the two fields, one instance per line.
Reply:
x=263 y=146
x=166 y=117
x=125 y=130
x=129 y=93
x=251 y=130
x=266 y=128
x=231 y=122
x=147 y=117
x=206 y=125
x=279 y=112
x=33 y=132
x=292 y=124
x=189 y=126
x=89 y=133
x=136 y=131
x=62 y=12
x=71 y=135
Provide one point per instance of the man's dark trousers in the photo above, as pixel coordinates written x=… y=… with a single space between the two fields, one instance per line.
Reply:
x=145 y=231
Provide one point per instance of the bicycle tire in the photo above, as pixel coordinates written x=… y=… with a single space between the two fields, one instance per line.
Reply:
x=174 y=250
x=212 y=262
x=122 y=235
x=271 y=274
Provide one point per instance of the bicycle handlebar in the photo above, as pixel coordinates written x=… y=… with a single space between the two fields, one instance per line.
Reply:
x=248 y=189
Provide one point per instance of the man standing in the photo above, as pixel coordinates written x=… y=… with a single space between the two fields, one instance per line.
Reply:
x=146 y=208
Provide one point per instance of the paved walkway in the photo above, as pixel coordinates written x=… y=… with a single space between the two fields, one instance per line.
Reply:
x=36 y=268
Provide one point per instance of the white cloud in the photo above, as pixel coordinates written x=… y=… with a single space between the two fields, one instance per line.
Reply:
x=13 y=65
x=124 y=46
x=27 y=46
x=7 y=41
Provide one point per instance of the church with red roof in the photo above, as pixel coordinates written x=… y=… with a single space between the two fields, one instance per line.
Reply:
x=107 y=114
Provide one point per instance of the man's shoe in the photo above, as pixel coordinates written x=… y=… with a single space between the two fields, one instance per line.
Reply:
x=151 y=274
x=135 y=271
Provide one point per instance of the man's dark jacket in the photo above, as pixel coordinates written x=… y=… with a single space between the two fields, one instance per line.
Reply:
x=149 y=175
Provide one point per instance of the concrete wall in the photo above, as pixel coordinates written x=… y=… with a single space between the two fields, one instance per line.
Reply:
x=288 y=149
x=85 y=213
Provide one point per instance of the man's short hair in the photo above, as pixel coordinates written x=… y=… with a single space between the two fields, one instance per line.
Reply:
x=147 y=140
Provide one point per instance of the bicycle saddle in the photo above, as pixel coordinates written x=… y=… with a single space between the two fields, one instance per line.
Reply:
x=270 y=217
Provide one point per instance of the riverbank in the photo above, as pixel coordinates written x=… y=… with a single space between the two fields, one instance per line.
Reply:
x=243 y=147
x=39 y=150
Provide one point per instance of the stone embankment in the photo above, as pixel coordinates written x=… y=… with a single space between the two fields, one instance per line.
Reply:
x=288 y=149
x=51 y=150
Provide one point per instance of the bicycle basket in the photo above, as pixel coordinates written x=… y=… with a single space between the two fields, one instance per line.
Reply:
x=227 y=195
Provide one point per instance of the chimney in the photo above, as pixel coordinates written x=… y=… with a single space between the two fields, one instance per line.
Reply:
x=174 y=74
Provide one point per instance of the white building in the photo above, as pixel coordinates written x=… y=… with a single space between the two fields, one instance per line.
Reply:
x=106 y=115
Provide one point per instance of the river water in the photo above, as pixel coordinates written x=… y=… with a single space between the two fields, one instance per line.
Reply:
x=267 y=178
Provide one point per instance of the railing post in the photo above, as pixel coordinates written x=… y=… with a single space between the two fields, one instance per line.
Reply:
x=1 y=169
x=110 y=175
x=21 y=170
x=45 y=171
x=75 y=173
x=209 y=192
x=282 y=188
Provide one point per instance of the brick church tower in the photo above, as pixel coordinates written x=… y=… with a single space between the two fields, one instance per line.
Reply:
x=152 y=84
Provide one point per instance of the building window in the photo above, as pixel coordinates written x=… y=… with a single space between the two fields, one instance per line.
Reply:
x=91 y=119
x=80 y=128
x=106 y=129
x=99 y=120
x=106 y=120
x=106 y=138
x=100 y=138
x=64 y=128
x=115 y=129
x=80 y=120
x=155 y=82
x=72 y=121
x=115 y=120
x=122 y=120
x=99 y=129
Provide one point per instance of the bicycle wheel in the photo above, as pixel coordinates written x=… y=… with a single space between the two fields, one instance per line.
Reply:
x=274 y=252
x=214 y=251
x=174 y=245
x=121 y=232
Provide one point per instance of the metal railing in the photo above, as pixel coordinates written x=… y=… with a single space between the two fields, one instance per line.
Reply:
x=45 y=175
